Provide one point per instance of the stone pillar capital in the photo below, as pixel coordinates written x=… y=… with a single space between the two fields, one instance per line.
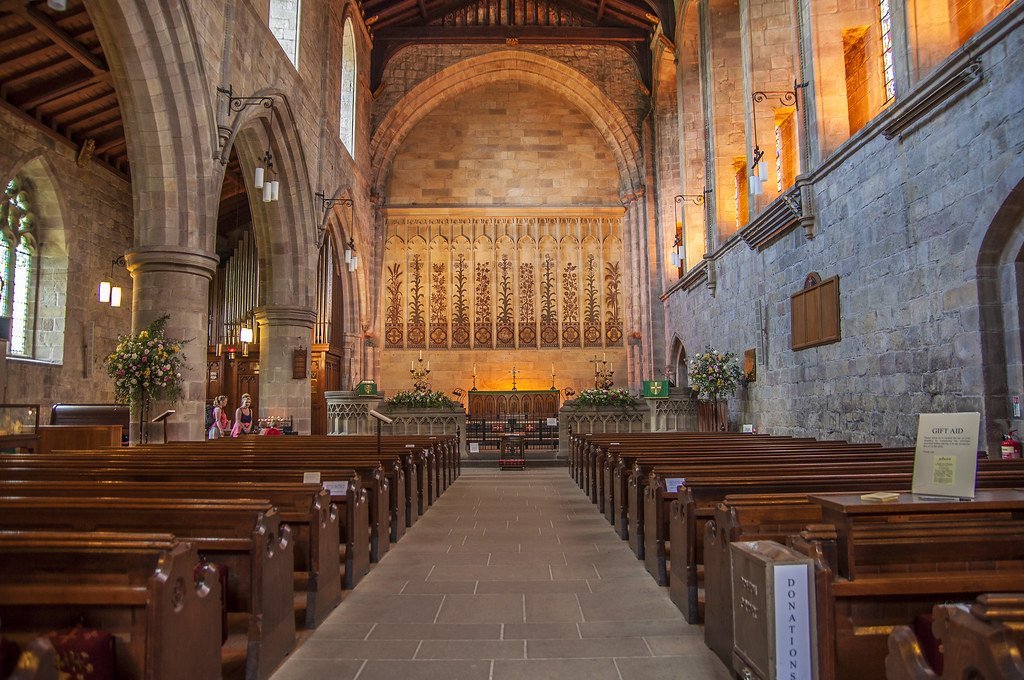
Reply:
x=632 y=195
x=281 y=315
x=174 y=259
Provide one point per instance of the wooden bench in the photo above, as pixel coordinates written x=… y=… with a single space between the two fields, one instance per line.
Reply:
x=885 y=564
x=306 y=508
x=983 y=639
x=149 y=590
x=247 y=536
x=294 y=466
x=93 y=414
x=354 y=524
x=697 y=500
x=38 y=661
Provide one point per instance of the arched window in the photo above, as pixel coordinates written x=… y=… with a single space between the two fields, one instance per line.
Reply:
x=348 y=89
x=18 y=263
x=285 y=19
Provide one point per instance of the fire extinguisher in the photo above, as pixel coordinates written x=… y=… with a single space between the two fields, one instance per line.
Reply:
x=1011 y=446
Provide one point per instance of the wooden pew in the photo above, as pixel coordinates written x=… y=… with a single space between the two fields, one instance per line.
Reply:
x=306 y=508
x=245 y=535
x=888 y=563
x=92 y=414
x=38 y=661
x=187 y=461
x=149 y=590
x=983 y=639
x=657 y=501
x=697 y=500
x=354 y=525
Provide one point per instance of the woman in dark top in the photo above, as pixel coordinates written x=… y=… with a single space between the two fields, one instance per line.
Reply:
x=243 y=417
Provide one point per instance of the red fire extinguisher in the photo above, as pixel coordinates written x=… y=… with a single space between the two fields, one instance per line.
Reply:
x=1011 y=446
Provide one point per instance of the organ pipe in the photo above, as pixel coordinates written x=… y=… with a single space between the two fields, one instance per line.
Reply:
x=235 y=294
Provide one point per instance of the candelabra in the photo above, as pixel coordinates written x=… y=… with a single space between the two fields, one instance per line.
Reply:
x=603 y=373
x=420 y=374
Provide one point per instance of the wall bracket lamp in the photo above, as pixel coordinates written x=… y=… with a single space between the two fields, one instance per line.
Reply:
x=351 y=259
x=109 y=293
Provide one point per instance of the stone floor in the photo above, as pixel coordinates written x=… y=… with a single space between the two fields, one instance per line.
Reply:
x=511 y=575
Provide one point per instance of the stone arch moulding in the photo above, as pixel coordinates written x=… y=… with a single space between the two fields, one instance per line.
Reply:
x=1000 y=292
x=506 y=65
x=38 y=168
x=284 y=229
x=169 y=118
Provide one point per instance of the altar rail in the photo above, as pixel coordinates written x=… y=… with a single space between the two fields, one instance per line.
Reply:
x=349 y=413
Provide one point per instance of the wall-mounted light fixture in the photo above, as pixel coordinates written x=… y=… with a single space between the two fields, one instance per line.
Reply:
x=758 y=166
x=109 y=293
x=245 y=336
x=264 y=176
x=351 y=259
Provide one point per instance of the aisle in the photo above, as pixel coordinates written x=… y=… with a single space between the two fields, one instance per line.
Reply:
x=510 y=576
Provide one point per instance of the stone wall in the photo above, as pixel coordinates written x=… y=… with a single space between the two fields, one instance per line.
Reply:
x=504 y=144
x=902 y=222
x=86 y=218
x=609 y=68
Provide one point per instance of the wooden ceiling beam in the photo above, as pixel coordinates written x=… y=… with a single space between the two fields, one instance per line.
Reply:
x=600 y=11
x=532 y=34
x=423 y=8
x=57 y=137
x=578 y=6
x=94 y=117
x=26 y=76
x=394 y=9
x=58 y=35
x=112 y=124
x=103 y=148
x=52 y=92
x=79 y=111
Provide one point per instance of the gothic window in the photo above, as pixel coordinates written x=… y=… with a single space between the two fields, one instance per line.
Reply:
x=285 y=19
x=348 y=89
x=17 y=263
x=888 y=70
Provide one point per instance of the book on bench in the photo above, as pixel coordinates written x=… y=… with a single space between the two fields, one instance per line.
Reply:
x=881 y=497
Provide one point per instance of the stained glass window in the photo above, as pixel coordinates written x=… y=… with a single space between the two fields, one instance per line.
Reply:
x=888 y=70
x=17 y=251
x=348 y=89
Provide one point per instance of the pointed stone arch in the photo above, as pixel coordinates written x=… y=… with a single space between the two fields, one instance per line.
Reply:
x=507 y=65
x=1001 y=306
x=50 y=288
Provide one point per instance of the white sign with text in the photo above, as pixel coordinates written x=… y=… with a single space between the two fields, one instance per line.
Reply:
x=946 y=458
x=793 y=660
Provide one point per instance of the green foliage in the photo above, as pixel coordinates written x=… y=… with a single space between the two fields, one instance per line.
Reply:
x=595 y=398
x=146 y=364
x=715 y=374
x=414 y=399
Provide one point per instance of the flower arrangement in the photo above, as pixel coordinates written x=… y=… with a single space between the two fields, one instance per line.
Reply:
x=416 y=399
x=146 y=365
x=714 y=374
x=594 y=398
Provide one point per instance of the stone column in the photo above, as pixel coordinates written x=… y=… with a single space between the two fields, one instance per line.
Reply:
x=175 y=280
x=282 y=331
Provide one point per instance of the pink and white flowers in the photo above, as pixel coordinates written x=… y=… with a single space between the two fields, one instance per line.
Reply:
x=146 y=364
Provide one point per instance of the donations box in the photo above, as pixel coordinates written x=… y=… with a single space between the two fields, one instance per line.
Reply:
x=773 y=612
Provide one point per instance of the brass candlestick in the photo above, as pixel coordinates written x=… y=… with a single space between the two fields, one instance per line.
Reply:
x=420 y=375
x=603 y=373
x=514 y=374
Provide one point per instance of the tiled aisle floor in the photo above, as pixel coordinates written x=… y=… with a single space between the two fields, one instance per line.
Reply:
x=510 y=575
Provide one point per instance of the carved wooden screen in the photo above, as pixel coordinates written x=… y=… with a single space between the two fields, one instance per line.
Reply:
x=544 y=280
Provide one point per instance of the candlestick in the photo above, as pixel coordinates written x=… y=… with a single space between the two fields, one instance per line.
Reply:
x=421 y=355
